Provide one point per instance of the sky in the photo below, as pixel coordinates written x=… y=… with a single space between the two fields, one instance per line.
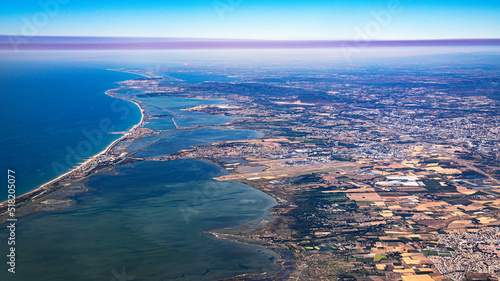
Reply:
x=254 y=19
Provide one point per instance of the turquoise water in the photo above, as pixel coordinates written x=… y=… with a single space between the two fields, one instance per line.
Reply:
x=185 y=139
x=144 y=221
x=52 y=116
x=173 y=106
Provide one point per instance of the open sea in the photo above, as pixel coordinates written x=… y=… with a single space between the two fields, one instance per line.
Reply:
x=142 y=221
x=48 y=109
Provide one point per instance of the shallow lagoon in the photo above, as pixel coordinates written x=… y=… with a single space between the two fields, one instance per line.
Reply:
x=147 y=218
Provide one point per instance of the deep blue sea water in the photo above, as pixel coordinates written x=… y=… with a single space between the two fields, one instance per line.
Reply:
x=51 y=112
x=144 y=221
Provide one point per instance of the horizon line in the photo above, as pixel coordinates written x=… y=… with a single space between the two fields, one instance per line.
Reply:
x=17 y=42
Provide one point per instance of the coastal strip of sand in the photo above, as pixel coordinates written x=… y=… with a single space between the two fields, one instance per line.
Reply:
x=50 y=187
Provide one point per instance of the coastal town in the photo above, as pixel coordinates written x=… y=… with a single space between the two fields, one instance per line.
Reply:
x=380 y=178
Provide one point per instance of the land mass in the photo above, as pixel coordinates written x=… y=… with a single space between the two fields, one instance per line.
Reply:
x=378 y=175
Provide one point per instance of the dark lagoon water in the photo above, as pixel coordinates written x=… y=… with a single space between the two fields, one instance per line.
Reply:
x=144 y=220
x=147 y=219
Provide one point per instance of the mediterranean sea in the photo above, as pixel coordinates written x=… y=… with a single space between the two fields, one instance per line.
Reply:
x=48 y=110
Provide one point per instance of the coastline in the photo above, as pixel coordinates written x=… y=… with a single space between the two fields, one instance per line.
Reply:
x=109 y=147
x=280 y=274
x=34 y=195
x=70 y=178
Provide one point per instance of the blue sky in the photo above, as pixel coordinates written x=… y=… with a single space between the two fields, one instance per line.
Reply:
x=254 y=19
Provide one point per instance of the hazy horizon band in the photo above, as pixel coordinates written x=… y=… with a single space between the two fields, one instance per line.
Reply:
x=137 y=43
